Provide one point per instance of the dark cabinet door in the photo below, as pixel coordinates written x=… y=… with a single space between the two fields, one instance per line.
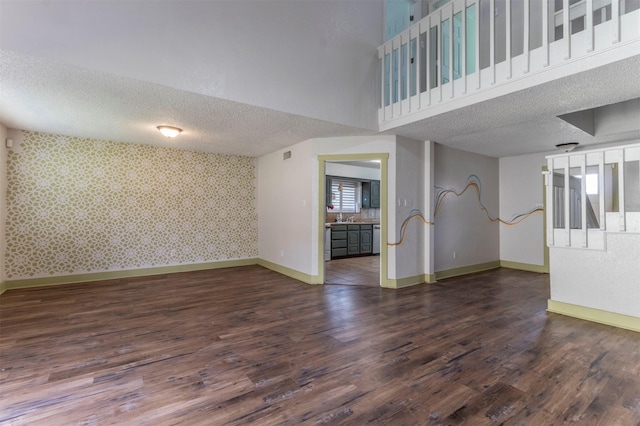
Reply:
x=375 y=194
x=338 y=241
x=366 y=195
x=353 y=242
x=366 y=241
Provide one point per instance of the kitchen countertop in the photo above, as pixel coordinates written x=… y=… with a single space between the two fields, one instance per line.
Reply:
x=329 y=224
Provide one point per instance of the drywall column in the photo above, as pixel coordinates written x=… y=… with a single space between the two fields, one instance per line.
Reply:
x=427 y=211
x=410 y=194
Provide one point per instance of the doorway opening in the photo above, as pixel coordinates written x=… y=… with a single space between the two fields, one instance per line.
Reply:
x=351 y=218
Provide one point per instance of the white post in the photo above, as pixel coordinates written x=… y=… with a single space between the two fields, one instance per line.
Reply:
x=507 y=12
x=525 y=38
x=601 y=213
x=623 y=222
x=589 y=25
x=492 y=40
x=450 y=47
x=566 y=28
x=406 y=41
x=439 y=47
x=463 y=58
x=567 y=203
x=477 y=47
x=583 y=200
x=381 y=58
x=418 y=70
x=427 y=50
x=615 y=20
x=545 y=33
x=551 y=205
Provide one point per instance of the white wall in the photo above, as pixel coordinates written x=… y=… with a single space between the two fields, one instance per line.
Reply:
x=521 y=190
x=289 y=237
x=606 y=280
x=617 y=118
x=285 y=208
x=319 y=56
x=410 y=195
x=3 y=203
x=461 y=226
x=361 y=145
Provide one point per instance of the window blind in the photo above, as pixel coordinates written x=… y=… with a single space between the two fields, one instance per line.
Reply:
x=350 y=195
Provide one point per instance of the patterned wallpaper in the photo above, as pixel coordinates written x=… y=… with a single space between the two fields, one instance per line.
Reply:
x=3 y=193
x=77 y=205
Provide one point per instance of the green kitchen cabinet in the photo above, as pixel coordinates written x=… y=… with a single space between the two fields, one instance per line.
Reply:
x=353 y=240
x=375 y=194
x=366 y=195
x=366 y=239
x=338 y=241
x=371 y=194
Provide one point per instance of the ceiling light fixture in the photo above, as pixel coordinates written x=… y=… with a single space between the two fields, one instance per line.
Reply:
x=567 y=146
x=169 y=131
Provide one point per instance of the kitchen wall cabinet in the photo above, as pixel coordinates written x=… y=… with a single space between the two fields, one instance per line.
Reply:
x=366 y=195
x=375 y=194
x=371 y=194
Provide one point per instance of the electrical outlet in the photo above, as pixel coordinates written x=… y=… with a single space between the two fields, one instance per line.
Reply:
x=539 y=206
x=454 y=254
x=281 y=253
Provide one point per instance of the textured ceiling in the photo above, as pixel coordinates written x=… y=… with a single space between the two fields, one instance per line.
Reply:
x=526 y=121
x=55 y=98
x=89 y=100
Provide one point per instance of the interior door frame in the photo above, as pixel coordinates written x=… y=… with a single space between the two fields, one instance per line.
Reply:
x=384 y=173
x=545 y=247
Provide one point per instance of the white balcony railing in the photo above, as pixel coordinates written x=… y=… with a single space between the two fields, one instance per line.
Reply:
x=591 y=193
x=468 y=46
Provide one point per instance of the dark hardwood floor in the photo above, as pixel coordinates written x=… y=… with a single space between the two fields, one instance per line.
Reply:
x=247 y=345
x=361 y=271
